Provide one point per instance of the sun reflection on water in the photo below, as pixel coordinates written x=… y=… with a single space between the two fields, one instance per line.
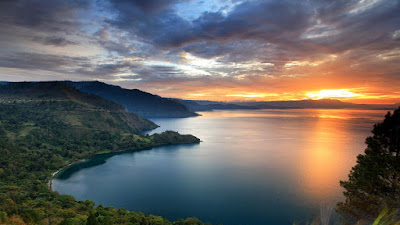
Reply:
x=327 y=157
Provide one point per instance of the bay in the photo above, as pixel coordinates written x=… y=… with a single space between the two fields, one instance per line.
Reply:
x=252 y=167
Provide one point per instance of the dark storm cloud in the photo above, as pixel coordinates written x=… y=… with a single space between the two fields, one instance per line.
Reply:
x=283 y=23
x=152 y=22
x=146 y=5
x=272 y=21
x=262 y=20
x=358 y=25
x=49 y=15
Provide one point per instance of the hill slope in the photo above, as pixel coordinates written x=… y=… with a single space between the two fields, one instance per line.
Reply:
x=142 y=103
x=63 y=102
x=45 y=126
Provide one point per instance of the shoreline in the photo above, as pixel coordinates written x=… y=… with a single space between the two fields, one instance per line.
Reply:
x=54 y=174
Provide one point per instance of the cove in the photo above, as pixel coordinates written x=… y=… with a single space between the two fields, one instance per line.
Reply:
x=253 y=167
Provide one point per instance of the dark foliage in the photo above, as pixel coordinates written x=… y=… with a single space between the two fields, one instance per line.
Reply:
x=374 y=183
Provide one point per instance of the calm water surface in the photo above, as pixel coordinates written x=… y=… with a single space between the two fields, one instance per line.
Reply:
x=252 y=167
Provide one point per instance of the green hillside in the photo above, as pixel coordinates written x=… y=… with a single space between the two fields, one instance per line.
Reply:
x=47 y=125
x=63 y=102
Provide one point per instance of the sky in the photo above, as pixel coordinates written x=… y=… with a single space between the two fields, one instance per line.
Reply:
x=225 y=50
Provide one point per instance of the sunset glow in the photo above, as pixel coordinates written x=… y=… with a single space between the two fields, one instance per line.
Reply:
x=224 y=111
x=247 y=95
x=221 y=50
x=329 y=94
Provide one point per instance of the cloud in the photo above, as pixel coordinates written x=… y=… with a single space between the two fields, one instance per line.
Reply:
x=253 y=44
x=156 y=73
x=38 y=61
x=53 y=40
x=148 y=5
x=148 y=21
x=104 y=71
x=269 y=21
x=46 y=15
x=300 y=27
x=358 y=24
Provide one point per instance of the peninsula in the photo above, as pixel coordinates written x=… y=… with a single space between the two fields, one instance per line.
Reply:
x=44 y=126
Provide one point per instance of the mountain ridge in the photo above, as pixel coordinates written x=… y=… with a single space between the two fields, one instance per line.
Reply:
x=153 y=106
x=201 y=105
x=134 y=100
x=66 y=103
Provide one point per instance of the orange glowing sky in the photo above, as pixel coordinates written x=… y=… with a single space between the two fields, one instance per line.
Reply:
x=225 y=50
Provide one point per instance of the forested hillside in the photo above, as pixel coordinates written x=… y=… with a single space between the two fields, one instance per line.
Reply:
x=46 y=126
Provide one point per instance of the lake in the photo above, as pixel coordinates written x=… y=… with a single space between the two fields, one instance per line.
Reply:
x=252 y=167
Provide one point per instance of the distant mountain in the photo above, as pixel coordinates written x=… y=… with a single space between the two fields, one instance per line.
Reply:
x=140 y=102
x=315 y=104
x=301 y=104
x=321 y=104
x=63 y=102
x=210 y=105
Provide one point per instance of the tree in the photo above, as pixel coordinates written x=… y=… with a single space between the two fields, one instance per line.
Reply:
x=374 y=183
x=92 y=220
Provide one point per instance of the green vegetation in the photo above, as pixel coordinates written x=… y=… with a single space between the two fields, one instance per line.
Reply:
x=386 y=217
x=63 y=103
x=374 y=183
x=46 y=126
